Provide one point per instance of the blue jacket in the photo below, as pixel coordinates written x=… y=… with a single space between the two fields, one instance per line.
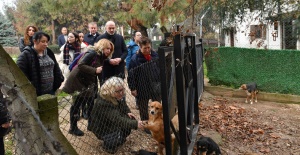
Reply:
x=61 y=40
x=132 y=49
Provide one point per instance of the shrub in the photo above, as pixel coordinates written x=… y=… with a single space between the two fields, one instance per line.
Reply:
x=54 y=48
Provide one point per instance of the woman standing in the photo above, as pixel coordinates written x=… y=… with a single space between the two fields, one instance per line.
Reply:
x=27 y=39
x=69 y=51
x=83 y=79
x=143 y=76
x=133 y=46
x=39 y=65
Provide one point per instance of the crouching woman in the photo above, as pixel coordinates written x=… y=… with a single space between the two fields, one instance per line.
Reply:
x=111 y=119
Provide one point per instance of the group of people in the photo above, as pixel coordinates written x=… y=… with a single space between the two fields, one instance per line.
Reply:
x=100 y=59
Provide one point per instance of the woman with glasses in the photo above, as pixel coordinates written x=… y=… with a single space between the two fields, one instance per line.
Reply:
x=111 y=119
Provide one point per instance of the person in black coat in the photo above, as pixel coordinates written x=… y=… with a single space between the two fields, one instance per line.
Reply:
x=39 y=65
x=27 y=39
x=63 y=37
x=4 y=122
x=92 y=37
x=116 y=65
x=143 y=76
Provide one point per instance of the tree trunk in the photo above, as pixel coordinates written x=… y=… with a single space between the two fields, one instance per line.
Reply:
x=53 y=32
x=138 y=26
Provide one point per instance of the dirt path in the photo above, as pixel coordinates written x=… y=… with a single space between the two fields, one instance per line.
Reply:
x=262 y=128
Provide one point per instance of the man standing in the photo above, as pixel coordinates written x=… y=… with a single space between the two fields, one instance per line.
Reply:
x=63 y=37
x=91 y=37
x=116 y=65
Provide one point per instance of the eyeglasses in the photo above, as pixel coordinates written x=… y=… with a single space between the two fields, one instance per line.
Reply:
x=120 y=90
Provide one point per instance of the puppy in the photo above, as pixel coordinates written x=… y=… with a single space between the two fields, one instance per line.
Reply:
x=156 y=125
x=206 y=146
x=251 y=90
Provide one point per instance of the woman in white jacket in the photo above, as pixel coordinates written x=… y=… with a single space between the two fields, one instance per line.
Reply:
x=69 y=51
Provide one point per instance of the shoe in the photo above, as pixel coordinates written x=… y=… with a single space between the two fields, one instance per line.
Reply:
x=76 y=132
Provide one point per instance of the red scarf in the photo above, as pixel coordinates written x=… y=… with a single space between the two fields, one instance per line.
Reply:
x=147 y=57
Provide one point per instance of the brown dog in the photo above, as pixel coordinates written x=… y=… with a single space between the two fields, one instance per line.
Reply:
x=251 y=90
x=156 y=125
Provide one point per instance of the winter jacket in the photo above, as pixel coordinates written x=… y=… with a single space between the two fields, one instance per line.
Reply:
x=28 y=62
x=22 y=44
x=143 y=74
x=4 y=116
x=64 y=67
x=120 y=51
x=90 y=39
x=84 y=75
x=132 y=49
x=107 y=118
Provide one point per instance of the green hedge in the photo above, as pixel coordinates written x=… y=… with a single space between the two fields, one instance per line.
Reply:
x=276 y=71
x=54 y=48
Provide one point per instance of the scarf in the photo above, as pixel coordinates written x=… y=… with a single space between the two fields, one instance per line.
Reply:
x=147 y=57
x=66 y=55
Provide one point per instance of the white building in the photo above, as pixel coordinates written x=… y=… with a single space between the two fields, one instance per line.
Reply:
x=263 y=31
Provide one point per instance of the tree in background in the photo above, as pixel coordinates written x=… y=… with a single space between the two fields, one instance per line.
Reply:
x=7 y=32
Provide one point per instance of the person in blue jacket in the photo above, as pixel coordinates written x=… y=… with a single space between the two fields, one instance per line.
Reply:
x=132 y=46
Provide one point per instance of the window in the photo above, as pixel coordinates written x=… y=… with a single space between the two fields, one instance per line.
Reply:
x=258 y=31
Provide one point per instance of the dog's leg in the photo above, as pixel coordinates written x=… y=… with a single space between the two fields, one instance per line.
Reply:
x=252 y=96
x=247 y=99
x=255 y=96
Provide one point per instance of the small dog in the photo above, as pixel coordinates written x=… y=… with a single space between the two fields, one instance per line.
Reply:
x=251 y=90
x=156 y=124
x=206 y=146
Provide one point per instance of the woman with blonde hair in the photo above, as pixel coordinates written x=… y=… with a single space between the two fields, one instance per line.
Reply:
x=111 y=119
x=27 y=39
x=83 y=79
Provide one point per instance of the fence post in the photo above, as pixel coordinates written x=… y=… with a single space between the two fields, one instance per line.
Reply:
x=48 y=107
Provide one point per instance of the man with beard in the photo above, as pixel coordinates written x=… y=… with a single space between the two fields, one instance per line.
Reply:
x=116 y=65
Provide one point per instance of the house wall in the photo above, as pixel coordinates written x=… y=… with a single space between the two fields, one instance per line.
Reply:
x=243 y=40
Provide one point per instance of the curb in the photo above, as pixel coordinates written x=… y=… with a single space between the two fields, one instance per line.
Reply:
x=273 y=97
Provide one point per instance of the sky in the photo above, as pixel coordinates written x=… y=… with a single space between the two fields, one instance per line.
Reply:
x=4 y=2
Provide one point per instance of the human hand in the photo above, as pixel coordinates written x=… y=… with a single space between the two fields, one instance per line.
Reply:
x=131 y=115
x=99 y=69
x=134 y=93
x=140 y=125
x=6 y=125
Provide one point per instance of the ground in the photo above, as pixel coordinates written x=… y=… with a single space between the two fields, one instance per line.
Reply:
x=261 y=128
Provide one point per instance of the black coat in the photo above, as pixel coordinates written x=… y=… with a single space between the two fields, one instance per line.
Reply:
x=143 y=75
x=61 y=40
x=22 y=44
x=28 y=62
x=90 y=39
x=120 y=51
x=4 y=116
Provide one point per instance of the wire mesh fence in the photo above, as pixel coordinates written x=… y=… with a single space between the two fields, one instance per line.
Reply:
x=28 y=131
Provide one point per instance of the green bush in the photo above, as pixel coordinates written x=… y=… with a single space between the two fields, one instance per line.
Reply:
x=274 y=71
x=54 y=48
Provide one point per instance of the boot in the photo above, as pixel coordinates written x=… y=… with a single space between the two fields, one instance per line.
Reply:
x=74 y=130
